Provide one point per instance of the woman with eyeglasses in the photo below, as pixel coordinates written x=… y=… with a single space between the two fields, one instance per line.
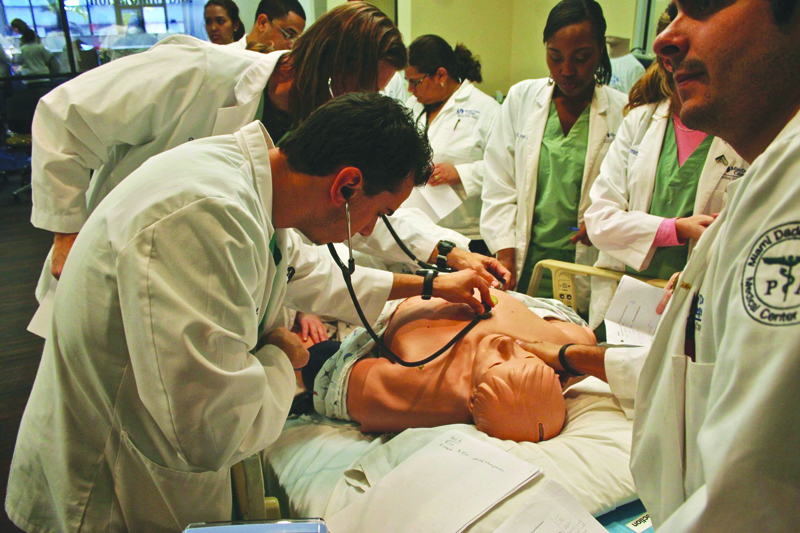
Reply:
x=457 y=117
x=546 y=148
x=223 y=25
x=660 y=186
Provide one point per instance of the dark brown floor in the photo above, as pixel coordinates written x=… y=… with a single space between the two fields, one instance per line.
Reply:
x=22 y=252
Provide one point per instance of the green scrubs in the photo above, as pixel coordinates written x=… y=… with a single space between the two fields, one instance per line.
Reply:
x=558 y=194
x=673 y=197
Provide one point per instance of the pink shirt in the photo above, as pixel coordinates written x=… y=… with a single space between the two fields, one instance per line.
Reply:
x=688 y=140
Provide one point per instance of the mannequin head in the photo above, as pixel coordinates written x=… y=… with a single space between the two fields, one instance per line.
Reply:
x=515 y=396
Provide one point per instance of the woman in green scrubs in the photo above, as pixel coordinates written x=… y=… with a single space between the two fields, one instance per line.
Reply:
x=547 y=147
x=659 y=188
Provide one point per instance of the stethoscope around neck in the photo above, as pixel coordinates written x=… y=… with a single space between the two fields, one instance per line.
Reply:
x=348 y=271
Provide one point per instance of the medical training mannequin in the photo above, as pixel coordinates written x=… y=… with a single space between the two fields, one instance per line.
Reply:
x=546 y=148
x=716 y=427
x=457 y=117
x=277 y=26
x=660 y=186
x=223 y=24
x=485 y=377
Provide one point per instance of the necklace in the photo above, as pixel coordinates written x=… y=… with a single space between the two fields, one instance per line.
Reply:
x=678 y=124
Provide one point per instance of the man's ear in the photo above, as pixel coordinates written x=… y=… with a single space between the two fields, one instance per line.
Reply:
x=348 y=183
x=262 y=21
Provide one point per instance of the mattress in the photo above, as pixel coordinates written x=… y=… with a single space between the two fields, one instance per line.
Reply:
x=319 y=466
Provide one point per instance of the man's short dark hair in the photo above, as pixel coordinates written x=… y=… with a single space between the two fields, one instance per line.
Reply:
x=368 y=131
x=277 y=9
x=783 y=10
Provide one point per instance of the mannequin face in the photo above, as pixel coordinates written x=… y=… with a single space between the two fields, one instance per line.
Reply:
x=573 y=57
x=219 y=26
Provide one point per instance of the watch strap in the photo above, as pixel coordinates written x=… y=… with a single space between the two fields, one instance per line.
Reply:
x=562 y=359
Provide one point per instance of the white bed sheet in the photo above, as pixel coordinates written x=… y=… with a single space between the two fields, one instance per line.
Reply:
x=324 y=465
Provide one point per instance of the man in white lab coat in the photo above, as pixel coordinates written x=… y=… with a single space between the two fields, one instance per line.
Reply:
x=277 y=25
x=156 y=379
x=93 y=131
x=716 y=428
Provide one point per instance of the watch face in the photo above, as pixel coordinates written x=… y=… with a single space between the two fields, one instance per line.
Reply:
x=445 y=247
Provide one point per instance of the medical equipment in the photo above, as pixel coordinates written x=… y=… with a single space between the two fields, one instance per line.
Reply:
x=428 y=270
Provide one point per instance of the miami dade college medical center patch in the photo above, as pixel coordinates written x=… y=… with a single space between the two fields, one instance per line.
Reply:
x=771 y=277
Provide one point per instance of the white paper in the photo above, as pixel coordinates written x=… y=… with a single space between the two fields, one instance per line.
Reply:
x=631 y=318
x=436 y=202
x=442 y=488
x=640 y=524
x=43 y=317
x=551 y=509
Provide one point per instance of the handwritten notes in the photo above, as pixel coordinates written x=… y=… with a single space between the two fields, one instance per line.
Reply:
x=442 y=488
x=551 y=509
x=631 y=319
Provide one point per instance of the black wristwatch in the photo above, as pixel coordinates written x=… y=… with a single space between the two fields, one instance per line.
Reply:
x=427 y=283
x=443 y=248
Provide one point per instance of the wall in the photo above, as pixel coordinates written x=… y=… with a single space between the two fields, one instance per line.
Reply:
x=482 y=26
x=506 y=34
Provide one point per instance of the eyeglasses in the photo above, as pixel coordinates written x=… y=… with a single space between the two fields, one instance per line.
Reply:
x=413 y=83
x=286 y=35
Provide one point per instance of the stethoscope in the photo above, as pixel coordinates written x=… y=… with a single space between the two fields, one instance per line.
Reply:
x=350 y=268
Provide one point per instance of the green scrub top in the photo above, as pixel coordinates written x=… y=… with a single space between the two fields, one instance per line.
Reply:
x=558 y=194
x=673 y=196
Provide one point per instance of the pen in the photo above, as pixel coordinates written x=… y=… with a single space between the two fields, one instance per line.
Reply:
x=574 y=229
x=457 y=121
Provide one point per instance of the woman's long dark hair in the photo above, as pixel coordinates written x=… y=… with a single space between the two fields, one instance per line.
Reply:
x=569 y=12
x=344 y=46
x=429 y=53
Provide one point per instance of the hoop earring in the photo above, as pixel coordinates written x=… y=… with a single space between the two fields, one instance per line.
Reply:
x=550 y=81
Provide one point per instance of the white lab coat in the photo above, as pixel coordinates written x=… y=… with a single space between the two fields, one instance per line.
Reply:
x=396 y=88
x=241 y=44
x=715 y=439
x=625 y=71
x=617 y=220
x=512 y=164
x=458 y=135
x=93 y=131
x=150 y=386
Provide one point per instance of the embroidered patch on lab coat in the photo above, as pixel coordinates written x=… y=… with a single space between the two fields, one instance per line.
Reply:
x=771 y=277
x=471 y=113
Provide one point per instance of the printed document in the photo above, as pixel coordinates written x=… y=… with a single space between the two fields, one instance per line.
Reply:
x=442 y=488
x=551 y=509
x=631 y=319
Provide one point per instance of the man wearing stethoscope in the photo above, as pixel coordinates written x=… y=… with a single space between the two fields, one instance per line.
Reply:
x=716 y=432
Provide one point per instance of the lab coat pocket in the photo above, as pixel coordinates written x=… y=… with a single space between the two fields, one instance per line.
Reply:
x=698 y=382
x=154 y=498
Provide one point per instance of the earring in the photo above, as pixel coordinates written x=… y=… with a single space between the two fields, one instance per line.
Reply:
x=441 y=84
x=597 y=80
x=550 y=81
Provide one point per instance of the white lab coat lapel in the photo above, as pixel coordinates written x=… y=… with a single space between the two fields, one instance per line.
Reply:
x=255 y=143
x=598 y=137
x=247 y=94
x=646 y=163
x=526 y=197
x=438 y=128
x=662 y=398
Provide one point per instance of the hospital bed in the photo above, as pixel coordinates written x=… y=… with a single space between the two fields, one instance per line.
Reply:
x=319 y=466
